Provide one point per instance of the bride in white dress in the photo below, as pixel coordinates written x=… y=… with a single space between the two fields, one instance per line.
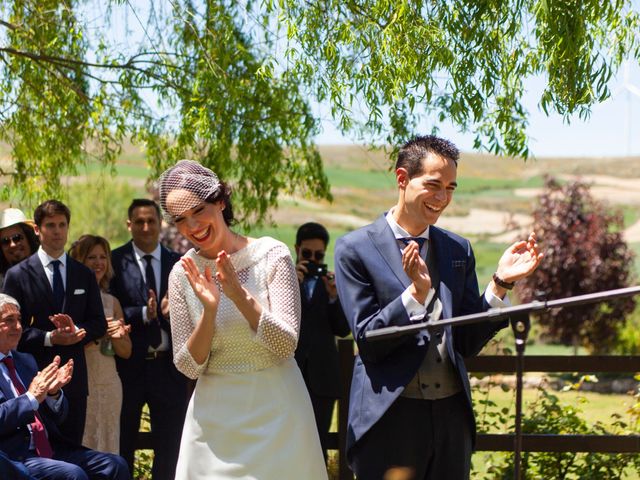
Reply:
x=235 y=315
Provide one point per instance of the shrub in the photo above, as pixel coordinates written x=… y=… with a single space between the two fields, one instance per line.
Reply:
x=584 y=253
x=547 y=415
x=629 y=335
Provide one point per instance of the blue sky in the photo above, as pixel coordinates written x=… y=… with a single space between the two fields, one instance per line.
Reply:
x=604 y=134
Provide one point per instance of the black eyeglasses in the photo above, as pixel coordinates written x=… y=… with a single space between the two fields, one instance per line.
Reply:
x=318 y=255
x=5 y=241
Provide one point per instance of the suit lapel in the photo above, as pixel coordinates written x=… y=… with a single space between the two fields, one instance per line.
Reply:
x=385 y=243
x=443 y=260
x=6 y=389
x=70 y=283
x=165 y=268
x=133 y=269
x=39 y=280
x=23 y=372
x=447 y=282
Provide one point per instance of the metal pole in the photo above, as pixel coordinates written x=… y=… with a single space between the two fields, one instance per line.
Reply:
x=520 y=325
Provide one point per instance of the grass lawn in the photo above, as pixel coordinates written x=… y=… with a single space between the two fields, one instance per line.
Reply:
x=482 y=460
x=596 y=407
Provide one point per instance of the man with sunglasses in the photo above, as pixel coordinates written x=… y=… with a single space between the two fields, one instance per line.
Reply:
x=322 y=320
x=17 y=239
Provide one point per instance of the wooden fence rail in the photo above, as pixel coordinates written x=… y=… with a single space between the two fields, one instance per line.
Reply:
x=499 y=442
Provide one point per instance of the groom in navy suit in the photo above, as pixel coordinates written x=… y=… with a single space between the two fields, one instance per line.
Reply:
x=31 y=405
x=61 y=307
x=410 y=409
x=141 y=276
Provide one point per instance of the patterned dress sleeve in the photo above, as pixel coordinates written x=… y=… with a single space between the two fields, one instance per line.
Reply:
x=182 y=325
x=279 y=324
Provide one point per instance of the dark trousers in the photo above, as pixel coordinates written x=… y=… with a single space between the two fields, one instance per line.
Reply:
x=323 y=413
x=73 y=426
x=11 y=470
x=78 y=464
x=418 y=440
x=164 y=390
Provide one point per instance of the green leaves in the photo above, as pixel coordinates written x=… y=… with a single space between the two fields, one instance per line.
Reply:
x=217 y=99
x=230 y=83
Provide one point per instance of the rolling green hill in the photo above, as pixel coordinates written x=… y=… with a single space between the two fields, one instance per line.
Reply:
x=363 y=186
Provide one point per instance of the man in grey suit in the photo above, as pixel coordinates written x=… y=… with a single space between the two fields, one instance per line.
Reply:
x=410 y=406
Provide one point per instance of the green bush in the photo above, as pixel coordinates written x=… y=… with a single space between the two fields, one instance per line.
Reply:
x=547 y=415
x=628 y=342
x=143 y=459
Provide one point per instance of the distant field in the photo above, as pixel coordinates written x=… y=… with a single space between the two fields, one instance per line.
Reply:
x=363 y=187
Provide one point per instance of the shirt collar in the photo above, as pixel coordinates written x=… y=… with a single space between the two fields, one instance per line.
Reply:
x=398 y=231
x=46 y=259
x=140 y=254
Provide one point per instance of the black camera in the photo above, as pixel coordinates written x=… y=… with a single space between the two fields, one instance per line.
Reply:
x=316 y=269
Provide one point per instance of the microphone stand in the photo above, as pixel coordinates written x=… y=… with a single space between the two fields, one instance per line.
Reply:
x=520 y=323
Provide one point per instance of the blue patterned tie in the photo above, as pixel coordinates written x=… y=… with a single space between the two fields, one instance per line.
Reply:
x=58 y=286
x=419 y=240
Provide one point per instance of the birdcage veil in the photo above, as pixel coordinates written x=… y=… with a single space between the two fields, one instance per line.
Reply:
x=185 y=185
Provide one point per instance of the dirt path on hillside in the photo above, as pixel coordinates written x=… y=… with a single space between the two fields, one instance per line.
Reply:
x=614 y=190
x=505 y=227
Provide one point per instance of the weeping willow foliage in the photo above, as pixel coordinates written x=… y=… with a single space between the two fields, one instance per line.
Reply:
x=235 y=84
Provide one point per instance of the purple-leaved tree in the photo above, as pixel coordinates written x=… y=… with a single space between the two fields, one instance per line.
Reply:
x=584 y=253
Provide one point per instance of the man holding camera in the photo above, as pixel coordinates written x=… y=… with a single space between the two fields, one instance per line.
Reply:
x=322 y=319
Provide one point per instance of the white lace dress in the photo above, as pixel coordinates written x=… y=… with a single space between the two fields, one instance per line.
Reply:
x=250 y=416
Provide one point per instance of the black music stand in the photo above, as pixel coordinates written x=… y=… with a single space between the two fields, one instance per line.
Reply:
x=519 y=316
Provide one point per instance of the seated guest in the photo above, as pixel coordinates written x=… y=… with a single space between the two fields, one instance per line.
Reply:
x=60 y=306
x=10 y=470
x=32 y=404
x=102 y=428
x=17 y=239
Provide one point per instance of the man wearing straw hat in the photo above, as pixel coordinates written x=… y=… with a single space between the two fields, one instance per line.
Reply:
x=17 y=239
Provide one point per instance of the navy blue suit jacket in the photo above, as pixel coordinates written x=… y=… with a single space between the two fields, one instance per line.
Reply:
x=16 y=413
x=129 y=288
x=28 y=284
x=316 y=353
x=370 y=283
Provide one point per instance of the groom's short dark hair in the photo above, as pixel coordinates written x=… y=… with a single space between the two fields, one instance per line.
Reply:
x=415 y=150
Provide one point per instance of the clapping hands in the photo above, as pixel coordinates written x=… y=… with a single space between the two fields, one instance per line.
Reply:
x=202 y=284
x=228 y=278
x=65 y=332
x=116 y=328
x=520 y=260
x=416 y=269
x=51 y=379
